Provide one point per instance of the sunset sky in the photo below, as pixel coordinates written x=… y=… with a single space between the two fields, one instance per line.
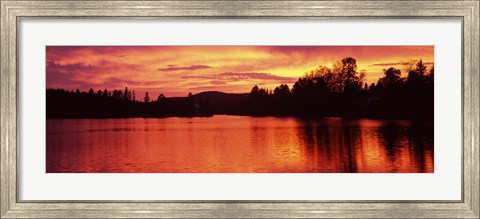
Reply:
x=178 y=70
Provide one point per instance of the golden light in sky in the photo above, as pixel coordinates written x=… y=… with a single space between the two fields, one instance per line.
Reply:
x=178 y=70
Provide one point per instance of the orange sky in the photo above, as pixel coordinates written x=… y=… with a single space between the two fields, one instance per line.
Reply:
x=177 y=70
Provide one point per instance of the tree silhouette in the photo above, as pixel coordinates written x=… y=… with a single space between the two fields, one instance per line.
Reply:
x=431 y=74
x=391 y=78
x=256 y=91
x=282 y=90
x=420 y=68
x=352 y=80
x=146 y=98
x=349 y=69
x=117 y=94
x=408 y=65
x=127 y=95
x=105 y=93
x=161 y=97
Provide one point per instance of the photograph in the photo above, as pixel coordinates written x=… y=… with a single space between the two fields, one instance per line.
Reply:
x=240 y=109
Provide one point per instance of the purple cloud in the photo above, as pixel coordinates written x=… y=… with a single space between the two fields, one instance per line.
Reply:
x=191 y=67
x=82 y=75
x=101 y=66
x=237 y=76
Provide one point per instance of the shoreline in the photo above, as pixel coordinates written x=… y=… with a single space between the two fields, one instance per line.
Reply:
x=262 y=116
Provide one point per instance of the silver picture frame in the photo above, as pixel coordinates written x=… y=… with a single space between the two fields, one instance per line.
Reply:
x=13 y=11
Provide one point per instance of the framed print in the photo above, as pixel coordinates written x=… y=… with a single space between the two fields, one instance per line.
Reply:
x=252 y=109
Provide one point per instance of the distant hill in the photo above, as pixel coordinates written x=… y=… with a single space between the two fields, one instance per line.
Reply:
x=217 y=102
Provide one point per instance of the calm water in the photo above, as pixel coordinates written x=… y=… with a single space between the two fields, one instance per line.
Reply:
x=225 y=144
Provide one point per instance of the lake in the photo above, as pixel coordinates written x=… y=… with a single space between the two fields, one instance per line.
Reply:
x=239 y=144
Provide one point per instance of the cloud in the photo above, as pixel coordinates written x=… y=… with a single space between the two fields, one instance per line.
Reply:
x=120 y=82
x=101 y=66
x=59 y=79
x=235 y=76
x=218 y=82
x=102 y=74
x=52 y=65
x=396 y=63
x=241 y=76
x=191 y=67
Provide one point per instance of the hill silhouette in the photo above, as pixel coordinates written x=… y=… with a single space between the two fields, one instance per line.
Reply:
x=221 y=103
x=69 y=104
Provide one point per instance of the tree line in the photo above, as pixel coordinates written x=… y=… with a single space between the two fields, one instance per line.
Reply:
x=126 y=95
x=339 y=90
x=63 y=103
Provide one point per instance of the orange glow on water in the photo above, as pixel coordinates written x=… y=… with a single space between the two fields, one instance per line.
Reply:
x=236 y=144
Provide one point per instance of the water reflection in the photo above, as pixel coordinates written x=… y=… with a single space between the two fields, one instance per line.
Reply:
x=226 y=144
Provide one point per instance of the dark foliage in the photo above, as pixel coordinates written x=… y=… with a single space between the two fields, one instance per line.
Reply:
x=66 y=104
x=340 y=91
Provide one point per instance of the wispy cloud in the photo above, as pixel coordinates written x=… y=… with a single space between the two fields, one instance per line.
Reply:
x=241 y=76
x=252 y=75
x=396 y=63
x=81 y=75
x=191 y=67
